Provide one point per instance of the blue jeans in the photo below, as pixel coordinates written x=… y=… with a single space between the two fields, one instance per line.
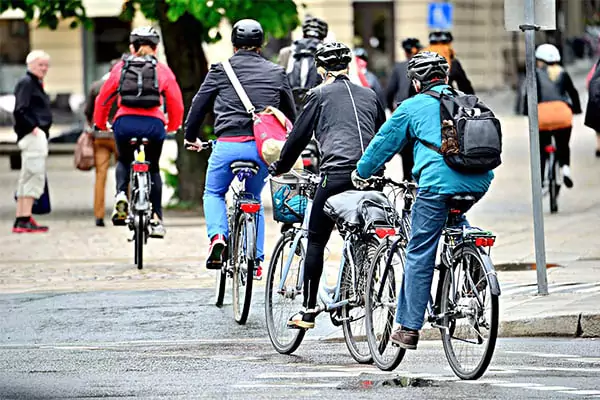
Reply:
x=429 y=214
x=218 y=179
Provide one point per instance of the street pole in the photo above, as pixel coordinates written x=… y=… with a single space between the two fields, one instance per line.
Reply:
x=534 y=143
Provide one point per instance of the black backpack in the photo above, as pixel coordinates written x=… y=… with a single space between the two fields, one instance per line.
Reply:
x=303 y=53
x=471 y=134
x=138 y=86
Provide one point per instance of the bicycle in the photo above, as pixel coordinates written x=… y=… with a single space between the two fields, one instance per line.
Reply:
x=552 y=181
x=242 y=218
x=140 y=211
x=344 y=301
x=466 y=281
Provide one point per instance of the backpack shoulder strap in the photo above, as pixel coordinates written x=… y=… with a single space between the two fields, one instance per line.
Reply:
x=433 y=94
x=239 y=89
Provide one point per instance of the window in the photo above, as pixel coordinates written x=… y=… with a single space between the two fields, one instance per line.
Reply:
x=14 y=47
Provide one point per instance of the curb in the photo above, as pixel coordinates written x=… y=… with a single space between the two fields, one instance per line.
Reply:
x=575 y=326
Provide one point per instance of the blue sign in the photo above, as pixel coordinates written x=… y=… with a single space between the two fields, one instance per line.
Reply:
x=440 y=16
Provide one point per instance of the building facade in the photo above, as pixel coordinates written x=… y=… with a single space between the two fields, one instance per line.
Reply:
x=488 y=53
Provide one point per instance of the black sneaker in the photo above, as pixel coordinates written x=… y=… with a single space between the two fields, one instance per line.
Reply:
x=99 y=222
x=304 y=319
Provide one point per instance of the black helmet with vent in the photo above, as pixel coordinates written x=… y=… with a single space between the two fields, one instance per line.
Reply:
x=314 y=27
x=333 y=56
x=426 y=66
x=247 y=33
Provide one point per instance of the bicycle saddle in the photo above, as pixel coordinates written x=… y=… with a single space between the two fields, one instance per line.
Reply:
x=237 y=166
x=460 y=203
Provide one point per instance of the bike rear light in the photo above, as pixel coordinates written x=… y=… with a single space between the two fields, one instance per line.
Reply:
x=250 y=208
x=550 y=149
x=454 y=211
x=306 y=162
x=484 y=242
x=384 y=232
x=140 y=167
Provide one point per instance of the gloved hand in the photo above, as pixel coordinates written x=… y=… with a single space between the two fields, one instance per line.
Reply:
x=274 y=168
x=358 y=181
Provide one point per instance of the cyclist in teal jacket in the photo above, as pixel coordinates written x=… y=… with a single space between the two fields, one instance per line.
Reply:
x=418 y=119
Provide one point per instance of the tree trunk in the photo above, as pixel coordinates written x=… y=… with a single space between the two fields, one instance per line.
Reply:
x=186 y=58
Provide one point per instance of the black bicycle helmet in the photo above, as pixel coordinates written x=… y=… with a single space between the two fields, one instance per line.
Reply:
x=426 y=66
x=144 y=35
x=333 y=56
x=314 y=27
x=409 y=44
x=443 y=37
x=247 y=33
x=361 y=53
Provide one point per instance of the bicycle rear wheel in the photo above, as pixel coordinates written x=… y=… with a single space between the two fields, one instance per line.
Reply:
x=471 y=315
x=553 y=186
x=139 y=233
x=383 y=283
x=244 y=255
x=353 y=314
x=283 y=294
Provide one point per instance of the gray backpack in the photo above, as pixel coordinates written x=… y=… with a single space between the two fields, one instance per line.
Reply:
x=471 y=134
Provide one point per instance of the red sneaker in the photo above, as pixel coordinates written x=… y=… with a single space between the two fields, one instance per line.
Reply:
x=258 y=273
x=30 y=226
x=216 y=252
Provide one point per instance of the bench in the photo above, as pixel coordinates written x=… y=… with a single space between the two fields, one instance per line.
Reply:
x=12 y=150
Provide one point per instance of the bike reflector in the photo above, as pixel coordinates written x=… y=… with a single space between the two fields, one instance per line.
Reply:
x=140 y=167
x=550 y=149
x=485 y=242
x=251 y=208
x=384 y=232
x=306 y=162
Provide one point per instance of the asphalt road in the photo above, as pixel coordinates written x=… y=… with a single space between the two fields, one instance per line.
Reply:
x=175 y=344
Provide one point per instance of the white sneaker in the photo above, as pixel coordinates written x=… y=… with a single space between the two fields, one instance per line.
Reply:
x=157 y=229
x=566 y=173
x=121 y=209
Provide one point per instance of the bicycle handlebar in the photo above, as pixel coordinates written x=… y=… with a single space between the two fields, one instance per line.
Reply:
x=406 y=185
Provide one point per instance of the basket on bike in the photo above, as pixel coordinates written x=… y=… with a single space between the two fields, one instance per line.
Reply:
x=289 y=202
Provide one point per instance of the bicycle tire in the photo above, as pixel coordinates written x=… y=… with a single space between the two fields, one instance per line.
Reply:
x=139 y=240
x=553 y=187
x=292 y=338
x=245 y=236
x=461 y=254
x=355 y=335
x=385 y=355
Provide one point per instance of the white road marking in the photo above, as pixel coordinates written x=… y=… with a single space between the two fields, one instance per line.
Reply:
x=295 y=385
x=552 y=388
x=524 y=385
x=582 y=392
x=560 y=369
x=307 y=374
x=543 y=355
x=483 y=382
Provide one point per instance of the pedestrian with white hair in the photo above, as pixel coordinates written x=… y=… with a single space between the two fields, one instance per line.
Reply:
x=33 y=118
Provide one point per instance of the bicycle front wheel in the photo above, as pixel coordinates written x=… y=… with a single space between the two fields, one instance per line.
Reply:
x=283 y=294
x=470 y=315
x=140 y=227
x=383 y=283
x=244 y=257
x=353 y=313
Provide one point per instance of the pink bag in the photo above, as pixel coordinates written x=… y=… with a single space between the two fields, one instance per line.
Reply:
x=270 y=125
x=590 y=74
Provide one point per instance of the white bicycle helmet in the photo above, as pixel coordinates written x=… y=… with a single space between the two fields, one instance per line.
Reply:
x=548 y=53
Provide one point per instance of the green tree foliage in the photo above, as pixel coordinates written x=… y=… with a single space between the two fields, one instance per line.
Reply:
x=185 y=26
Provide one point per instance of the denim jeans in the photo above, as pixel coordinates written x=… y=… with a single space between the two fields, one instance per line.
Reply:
x=218 y=180
x=429 y=214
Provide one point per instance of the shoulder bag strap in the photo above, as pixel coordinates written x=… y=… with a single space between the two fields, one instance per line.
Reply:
x=238 y=88
x=362 y=145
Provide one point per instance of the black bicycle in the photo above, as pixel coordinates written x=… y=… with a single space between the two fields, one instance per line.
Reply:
x=465 y=308
x=242 y=217
x=552 y=181
x=140 y=210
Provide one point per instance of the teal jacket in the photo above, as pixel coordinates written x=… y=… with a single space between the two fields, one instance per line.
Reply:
x=419 y=117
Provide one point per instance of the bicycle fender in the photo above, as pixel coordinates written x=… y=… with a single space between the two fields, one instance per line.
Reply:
x=491 y=273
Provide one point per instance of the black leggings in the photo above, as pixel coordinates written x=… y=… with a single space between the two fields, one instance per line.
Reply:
x=319 y=230
x=153 y=150
x=563 y=152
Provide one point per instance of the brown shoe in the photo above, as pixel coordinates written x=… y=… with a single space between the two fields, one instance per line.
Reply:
x=405 y=338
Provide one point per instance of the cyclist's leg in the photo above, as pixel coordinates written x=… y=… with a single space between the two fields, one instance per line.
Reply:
x=124 y=160
x=429 y=215
x=545 y=140
x=563 y=153
x=218 y=179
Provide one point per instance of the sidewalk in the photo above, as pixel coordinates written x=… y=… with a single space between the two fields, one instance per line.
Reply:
x=77 y=256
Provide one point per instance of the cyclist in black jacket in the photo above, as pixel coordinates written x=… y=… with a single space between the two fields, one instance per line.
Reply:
x=266 y=84
x=344 y=118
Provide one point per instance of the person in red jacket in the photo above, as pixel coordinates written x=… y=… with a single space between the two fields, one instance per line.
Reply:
x=140 y=82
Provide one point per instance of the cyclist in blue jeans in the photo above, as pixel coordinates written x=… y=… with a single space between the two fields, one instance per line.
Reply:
x=266 y=84
x=418 y=119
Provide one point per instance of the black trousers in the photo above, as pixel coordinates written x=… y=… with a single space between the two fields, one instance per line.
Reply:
x=563 y=151
x=408 y=161
x=124 y=160
x=320 y=227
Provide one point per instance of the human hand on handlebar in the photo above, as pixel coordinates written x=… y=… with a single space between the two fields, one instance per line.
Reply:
x=197 y=146
x=273 y=168
x=358 y=181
